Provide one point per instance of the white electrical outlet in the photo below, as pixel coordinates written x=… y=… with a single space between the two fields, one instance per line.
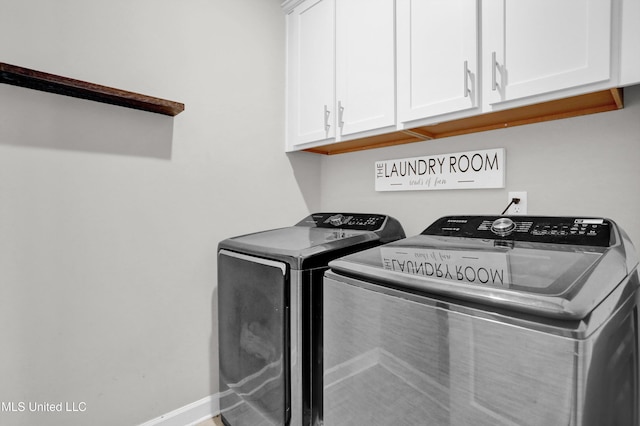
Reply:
x=521 y=207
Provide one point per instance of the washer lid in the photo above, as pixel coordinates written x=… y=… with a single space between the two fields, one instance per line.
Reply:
x=551 y=279
x=318 y=238
x=299 y=241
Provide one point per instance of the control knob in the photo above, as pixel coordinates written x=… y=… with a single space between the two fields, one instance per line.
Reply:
x=338 y=220
x=503 y=226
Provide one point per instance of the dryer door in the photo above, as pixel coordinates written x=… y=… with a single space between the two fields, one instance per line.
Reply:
x=253 y=331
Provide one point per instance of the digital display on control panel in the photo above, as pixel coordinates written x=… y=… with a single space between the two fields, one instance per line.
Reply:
x=544 y=229
x=363 y=222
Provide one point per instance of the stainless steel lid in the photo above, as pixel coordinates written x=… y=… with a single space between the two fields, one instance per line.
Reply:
x=318 y=238
x=549 y=273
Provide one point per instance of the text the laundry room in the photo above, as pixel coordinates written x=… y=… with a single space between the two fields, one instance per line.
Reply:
x=463 y=170
x=491 y=269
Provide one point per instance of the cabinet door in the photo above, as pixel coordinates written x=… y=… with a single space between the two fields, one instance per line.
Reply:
x=532 y=47
x=437 y=57
x=365 y=76
x=630 y=42
x=311 y=66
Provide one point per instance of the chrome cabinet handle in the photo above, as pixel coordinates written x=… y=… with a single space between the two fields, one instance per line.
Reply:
x=494 y=72
x=327 y=113
x=340 y=115
x=467 y=76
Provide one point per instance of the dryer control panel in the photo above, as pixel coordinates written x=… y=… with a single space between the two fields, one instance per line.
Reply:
x=588 y=231
x=357 y=221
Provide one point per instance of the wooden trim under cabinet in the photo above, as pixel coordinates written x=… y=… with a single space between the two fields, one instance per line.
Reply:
x=591 y=103
x=24 y=77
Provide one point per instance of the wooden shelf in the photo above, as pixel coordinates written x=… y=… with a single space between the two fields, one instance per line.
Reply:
x=606 y=100
x=24 y=77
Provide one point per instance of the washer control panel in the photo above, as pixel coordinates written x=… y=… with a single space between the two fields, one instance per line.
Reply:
x=362 y=222
x=587 y=231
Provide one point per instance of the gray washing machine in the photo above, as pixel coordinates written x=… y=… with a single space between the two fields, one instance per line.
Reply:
x=270 y=314
x=486 y=321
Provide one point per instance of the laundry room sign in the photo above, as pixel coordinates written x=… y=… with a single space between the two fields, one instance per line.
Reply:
x=461 y=170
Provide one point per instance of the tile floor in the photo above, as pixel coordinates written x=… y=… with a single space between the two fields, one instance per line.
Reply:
x=211 y=422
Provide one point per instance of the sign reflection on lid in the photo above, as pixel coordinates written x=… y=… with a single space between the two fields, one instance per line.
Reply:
x=482 y=268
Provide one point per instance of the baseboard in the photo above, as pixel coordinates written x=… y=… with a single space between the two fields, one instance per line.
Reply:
x=190 y=414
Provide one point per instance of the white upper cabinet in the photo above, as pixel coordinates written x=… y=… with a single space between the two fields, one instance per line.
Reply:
x=437 y=45
x=310 y=73
x=362 y=68
x=341 y=70
x=533 y=47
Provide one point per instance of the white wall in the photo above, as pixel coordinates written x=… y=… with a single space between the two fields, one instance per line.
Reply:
x=587 y=165
x=110 y=217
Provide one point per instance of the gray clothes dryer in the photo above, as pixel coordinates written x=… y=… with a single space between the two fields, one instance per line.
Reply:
x=270 y=314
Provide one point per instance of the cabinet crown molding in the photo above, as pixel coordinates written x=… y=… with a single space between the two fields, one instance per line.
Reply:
x=289 y=5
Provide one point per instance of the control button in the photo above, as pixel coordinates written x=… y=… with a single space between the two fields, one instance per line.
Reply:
x=485 y=225
x=503 y=226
